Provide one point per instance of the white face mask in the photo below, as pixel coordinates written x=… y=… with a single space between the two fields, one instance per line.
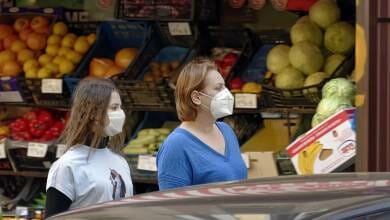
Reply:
x=221 y=104
x=117 y=120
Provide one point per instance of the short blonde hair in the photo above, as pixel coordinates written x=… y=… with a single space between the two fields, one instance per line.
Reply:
x=191 y=78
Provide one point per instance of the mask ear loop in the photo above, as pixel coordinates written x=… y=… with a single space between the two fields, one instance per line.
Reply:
x=208 y=96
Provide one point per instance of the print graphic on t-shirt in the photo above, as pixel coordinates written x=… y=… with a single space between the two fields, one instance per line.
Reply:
x=118 y=185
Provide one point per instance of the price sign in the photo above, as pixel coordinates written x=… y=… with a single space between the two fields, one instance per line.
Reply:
x=179 y=28
x=245 y=100
x=61 y=148
x=53 y=86
x=146 y=162
x=245 y=157
x=21 y=211
x=36 y=149
x=3 y=154
x=10 y=96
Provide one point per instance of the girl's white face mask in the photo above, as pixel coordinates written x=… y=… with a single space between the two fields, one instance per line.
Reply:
x=221 y=104
x=116 y=122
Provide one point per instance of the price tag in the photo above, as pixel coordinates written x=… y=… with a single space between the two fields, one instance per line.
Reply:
x=146 y=162
x=53 y=86
x=10 y=96
x=245 y=100
x=36 y=149
x=61 y=148
x=21 y=211
x=179 y=28
x=3 y=154
x=245 y=157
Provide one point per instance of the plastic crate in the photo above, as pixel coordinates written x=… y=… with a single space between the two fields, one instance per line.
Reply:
x=13 y=90
x=220 y=37
x=51 y=99
x=113 y=36
x=17 y=152
x=167 y=10
x=5 y=163
x=306 y=97
x=146 y=95
x=162 y=47
x=151 y=120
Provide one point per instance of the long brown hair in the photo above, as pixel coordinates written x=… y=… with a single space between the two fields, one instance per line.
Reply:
x=88 y=115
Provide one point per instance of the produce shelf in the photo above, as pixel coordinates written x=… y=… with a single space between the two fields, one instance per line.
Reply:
x=25 y=173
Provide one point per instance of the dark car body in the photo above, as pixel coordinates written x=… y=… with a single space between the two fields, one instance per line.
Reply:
x=332 y=196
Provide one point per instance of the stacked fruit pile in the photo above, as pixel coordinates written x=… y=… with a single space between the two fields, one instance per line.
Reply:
x=101 y=67
x=320 y=43
x=147 y=141
x=225 y=59
x=160 y=70
x=27 y=46
x=37 y=125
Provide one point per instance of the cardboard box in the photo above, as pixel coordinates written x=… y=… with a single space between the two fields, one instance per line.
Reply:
x=260 y=164
x=330 y=146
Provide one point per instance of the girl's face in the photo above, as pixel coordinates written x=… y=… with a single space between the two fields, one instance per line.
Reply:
x=115 y=103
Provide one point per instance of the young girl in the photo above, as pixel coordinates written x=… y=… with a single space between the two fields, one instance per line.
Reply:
x=90 y=171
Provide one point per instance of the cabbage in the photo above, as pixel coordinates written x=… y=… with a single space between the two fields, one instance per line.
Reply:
x=306 y=30
x=329 y=106
x=340 y=38
x=277 y=58
x=324 y=13
x=339 y=87
x=289 y=78
x=332 y=63
x=317 y=119
x=306 y=57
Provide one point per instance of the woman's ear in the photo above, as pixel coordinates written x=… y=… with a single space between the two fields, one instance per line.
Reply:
x=195 y=97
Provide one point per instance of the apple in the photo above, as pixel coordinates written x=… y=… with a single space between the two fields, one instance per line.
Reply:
x=24 y=34
x=36 y=41
x=7 y=41
x=5 y=30
x=39 y=23
x=236 y=83
x=21 y=24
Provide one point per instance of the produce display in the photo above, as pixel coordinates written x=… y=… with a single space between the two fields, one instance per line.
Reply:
x=147 y=141
x=320 y=42
x=40 y=50
x=101 y=67
x=225 y=58
x=337 y=94
x=37 y=125
x=160 y=70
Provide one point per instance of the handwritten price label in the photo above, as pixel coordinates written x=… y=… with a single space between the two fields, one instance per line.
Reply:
x=146 y=162
x=3 y=154
x=37 y=150
x=179 y=28
x=61 y=148
x=246 y=100
x=52 y=86
x=10 y=96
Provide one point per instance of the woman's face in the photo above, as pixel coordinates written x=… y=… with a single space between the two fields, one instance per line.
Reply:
x=213 y=84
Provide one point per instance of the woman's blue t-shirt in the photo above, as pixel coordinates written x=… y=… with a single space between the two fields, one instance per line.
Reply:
x=185 y=160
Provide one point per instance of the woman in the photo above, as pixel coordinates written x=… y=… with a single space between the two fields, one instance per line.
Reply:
x=200 y=150
x=90 y=172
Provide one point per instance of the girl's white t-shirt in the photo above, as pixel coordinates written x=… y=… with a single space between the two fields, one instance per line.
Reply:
x=89 y=176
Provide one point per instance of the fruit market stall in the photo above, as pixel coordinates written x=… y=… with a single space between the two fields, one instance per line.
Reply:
x=292 y=78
